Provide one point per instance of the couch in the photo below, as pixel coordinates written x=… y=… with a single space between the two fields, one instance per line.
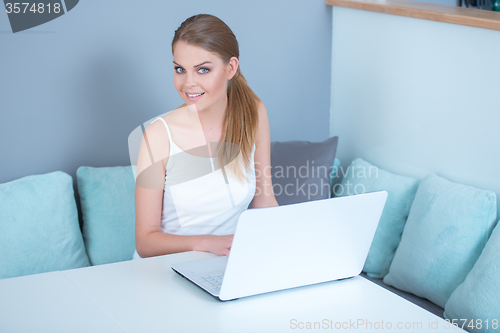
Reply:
x=436 y=244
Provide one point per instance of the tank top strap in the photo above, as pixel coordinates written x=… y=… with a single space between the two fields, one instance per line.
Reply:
x=172 y=144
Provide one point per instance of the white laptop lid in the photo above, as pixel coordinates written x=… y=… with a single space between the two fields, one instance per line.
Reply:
x=289 y=246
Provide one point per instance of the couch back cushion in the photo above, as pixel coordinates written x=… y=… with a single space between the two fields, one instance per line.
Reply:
x=39 y=229
x=477 y=299
x=302 y=170
x=108 y=212
x=364 y=177
x=447 y=228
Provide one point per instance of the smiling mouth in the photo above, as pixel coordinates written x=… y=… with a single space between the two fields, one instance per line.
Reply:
x=194 y=95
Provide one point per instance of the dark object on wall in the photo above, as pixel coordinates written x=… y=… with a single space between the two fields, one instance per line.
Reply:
x=496 y=6
x=479 y=4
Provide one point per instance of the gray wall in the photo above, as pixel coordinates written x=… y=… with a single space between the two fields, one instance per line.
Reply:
x=415 y=96
x=73 y=89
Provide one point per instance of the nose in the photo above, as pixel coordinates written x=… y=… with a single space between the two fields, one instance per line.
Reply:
x=190 y=80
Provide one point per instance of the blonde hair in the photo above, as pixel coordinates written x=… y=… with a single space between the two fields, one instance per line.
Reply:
x=241 y=119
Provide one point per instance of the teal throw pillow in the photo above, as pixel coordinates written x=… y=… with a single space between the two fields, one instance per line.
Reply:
x=108 y=211
x=39 y=229
x=361 y=177
x=477 y=299
x=446 y=231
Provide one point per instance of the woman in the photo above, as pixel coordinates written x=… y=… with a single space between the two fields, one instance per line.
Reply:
x=201 y=165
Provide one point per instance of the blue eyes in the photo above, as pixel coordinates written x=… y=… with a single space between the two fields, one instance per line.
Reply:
x=202 y=69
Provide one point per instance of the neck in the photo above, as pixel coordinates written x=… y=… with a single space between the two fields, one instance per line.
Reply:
x=213 y=117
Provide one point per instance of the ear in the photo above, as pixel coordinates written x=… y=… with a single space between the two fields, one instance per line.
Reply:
x=233 y=67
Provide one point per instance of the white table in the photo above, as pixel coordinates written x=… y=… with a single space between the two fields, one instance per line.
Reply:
x=147 y=296
x=49 y=302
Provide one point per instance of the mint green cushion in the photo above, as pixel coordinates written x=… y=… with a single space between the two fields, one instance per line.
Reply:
x=39 y=229
x=478 y=297
x=447 y=229
x=108 y=211
x=362 y=176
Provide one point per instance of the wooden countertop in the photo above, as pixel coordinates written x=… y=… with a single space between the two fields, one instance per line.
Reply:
x=472 y=17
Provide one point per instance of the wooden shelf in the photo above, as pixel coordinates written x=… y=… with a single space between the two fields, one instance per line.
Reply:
x=472 y=17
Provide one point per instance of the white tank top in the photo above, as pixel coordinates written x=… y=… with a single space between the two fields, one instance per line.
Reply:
x=199 y=197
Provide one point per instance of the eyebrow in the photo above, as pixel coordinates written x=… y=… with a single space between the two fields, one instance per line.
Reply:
x=205 y=62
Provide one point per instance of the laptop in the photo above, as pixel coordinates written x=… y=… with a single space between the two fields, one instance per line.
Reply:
x=277 y=248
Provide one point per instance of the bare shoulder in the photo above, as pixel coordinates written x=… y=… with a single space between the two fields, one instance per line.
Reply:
x=156 y=131
x=262 y=112
x=263 y=125
x=156 y=144
x=261 y=107
x=157 y=128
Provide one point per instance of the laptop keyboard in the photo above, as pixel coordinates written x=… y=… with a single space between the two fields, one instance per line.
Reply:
x=210 y=282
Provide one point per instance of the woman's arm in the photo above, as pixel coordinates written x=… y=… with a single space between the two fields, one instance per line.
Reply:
x=264 y=195
x=149 y=239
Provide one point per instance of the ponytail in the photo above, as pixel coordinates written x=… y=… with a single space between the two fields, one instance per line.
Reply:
x=240 y=126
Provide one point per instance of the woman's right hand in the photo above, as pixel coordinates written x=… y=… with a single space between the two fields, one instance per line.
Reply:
x=220 y=245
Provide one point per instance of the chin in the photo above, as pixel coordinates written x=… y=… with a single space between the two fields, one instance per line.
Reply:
x=198 y=107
